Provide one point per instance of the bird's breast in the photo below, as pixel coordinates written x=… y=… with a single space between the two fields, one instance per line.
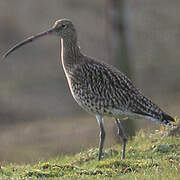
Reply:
x=89 y=96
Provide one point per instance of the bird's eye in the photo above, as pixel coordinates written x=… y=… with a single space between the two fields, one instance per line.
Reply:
x=63 y=26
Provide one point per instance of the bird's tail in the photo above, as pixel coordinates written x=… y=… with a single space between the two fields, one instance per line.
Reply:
x=166 y=119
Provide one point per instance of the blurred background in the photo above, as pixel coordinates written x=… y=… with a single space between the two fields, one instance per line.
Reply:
x=38 y=116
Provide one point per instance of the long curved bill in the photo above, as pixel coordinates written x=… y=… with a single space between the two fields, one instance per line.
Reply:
x=28 y=40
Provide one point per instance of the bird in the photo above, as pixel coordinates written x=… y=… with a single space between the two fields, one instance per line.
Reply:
x=99 y=88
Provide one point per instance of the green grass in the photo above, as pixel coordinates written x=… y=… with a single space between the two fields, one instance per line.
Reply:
x=149 y=156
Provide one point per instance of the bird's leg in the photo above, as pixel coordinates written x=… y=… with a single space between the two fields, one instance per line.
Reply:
x=102 y=135
x=123 y=136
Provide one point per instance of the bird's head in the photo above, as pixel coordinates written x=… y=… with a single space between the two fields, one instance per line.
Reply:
x=62 y=28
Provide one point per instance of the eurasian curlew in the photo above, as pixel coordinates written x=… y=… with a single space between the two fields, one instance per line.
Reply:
x=98 y=87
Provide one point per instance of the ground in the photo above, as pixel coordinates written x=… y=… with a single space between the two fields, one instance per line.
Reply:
x=150 y=155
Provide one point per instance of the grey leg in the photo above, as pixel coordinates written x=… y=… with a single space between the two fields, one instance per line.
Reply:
x=123 y=136
x=102 y=135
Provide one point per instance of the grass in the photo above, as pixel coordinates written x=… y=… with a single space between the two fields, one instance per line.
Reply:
x=149 y=156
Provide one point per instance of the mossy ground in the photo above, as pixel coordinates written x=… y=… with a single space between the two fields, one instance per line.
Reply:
x=149 y=156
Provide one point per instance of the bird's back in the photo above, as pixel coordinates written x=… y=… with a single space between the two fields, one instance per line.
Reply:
x=102 y=89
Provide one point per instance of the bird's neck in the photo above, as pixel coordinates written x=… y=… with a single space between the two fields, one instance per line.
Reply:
x=70 y=52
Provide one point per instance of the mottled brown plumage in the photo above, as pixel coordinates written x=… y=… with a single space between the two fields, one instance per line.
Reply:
x=98 y=87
